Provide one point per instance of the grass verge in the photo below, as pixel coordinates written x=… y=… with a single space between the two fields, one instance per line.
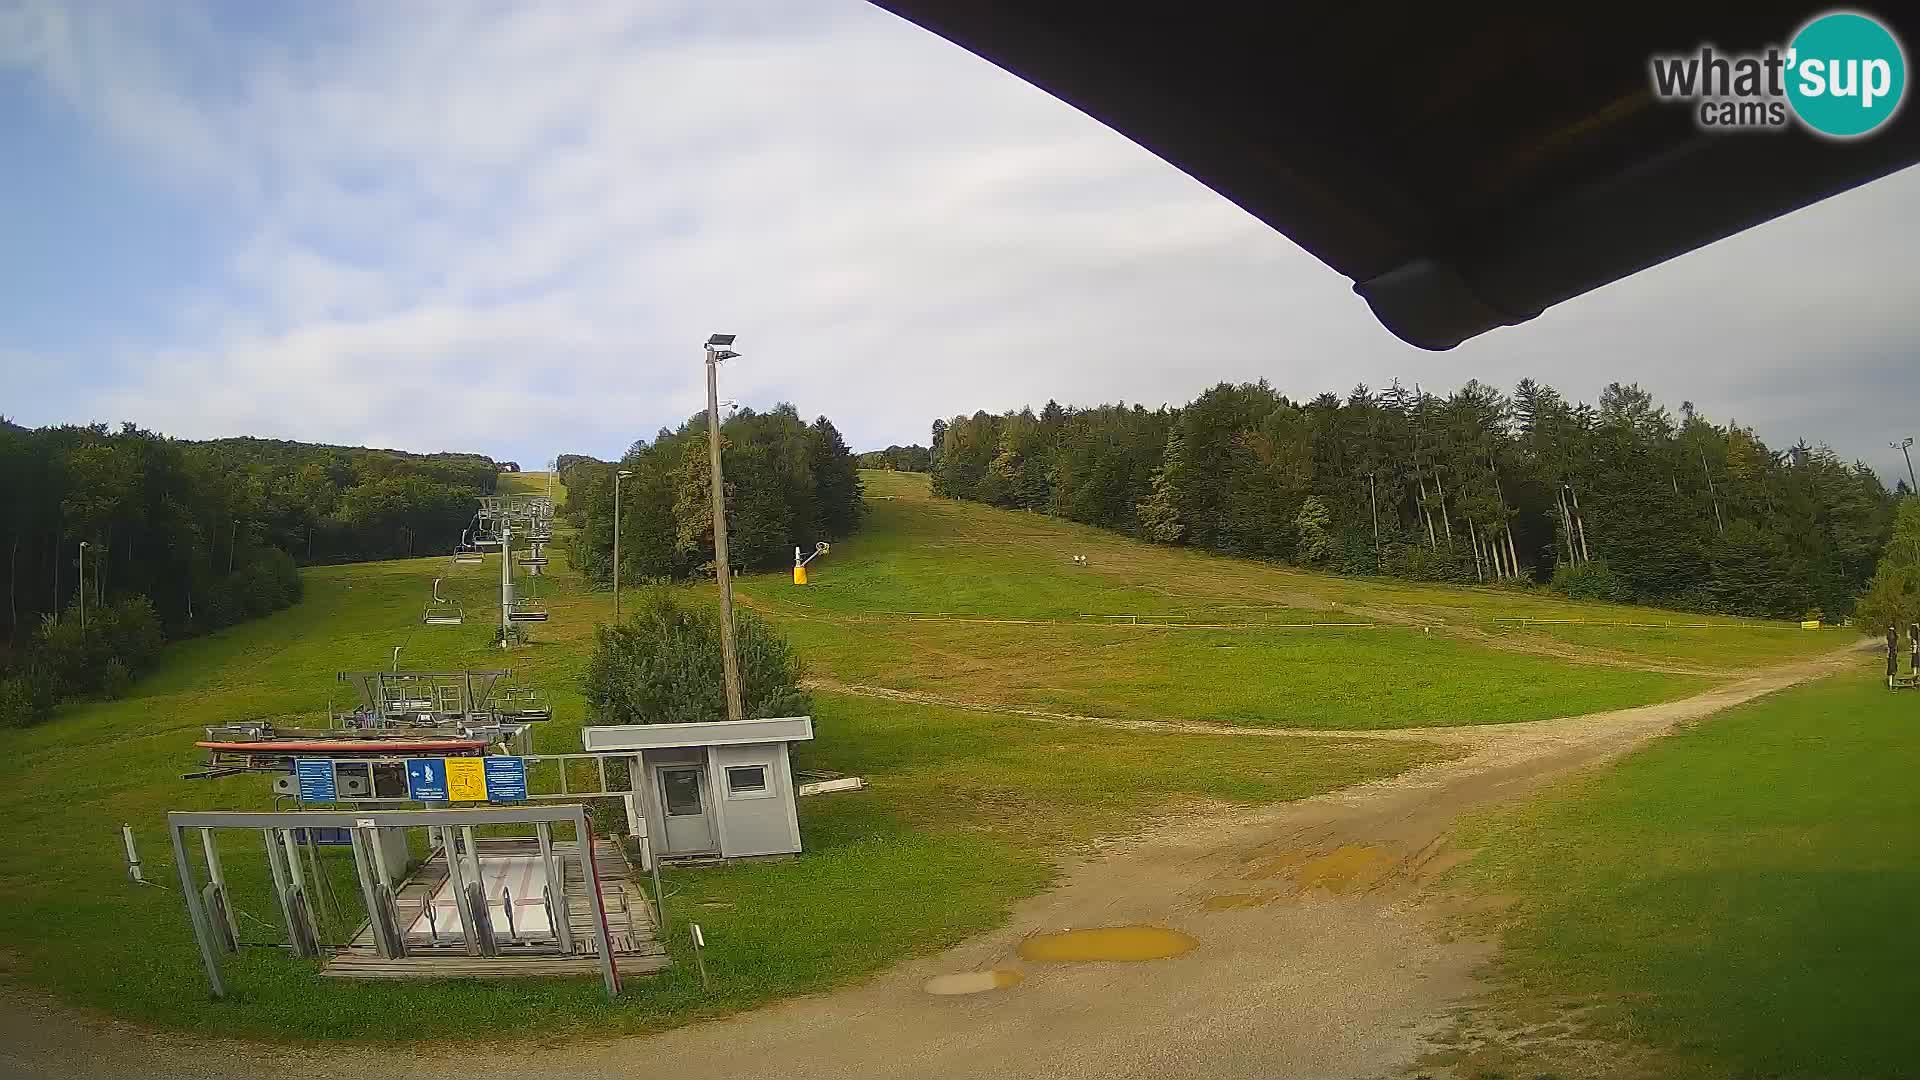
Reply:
x=1732 y=901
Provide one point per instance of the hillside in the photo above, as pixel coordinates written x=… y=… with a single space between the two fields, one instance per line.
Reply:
x=962 y=602
x=1007 y=705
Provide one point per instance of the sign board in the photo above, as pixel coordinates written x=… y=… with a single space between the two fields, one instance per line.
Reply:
x=506 y=778
x=501 y=778
x=323 y=837
x=466 y=780
x=316 y=779
x=427 y=779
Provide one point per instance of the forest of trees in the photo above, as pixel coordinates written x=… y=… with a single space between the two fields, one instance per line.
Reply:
x=184 y=537
x=915 y=458
x=1623 y=501
x=327 y=504
x=789 y=483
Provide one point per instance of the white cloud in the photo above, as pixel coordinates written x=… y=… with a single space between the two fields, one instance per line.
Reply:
x=507 y=228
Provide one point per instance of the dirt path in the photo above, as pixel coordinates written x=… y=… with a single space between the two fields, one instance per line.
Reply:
x=1316 y=957
x=1451 y=735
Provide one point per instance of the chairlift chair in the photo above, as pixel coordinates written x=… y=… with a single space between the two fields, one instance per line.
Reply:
x=522 y=704
x=467 y=554
x=526 y=610
x=442 y=612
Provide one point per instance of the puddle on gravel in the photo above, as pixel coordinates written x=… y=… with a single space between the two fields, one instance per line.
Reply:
x=1347 y=868
x=973 y=982
x=1107 y=943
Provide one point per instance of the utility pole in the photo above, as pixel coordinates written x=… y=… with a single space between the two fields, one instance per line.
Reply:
x=233 y=537
x=617 y=477
x=717 y=350
x=1904 y=446
x=83 y=586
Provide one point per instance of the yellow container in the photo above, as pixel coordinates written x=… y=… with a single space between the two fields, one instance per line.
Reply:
x=799 y=575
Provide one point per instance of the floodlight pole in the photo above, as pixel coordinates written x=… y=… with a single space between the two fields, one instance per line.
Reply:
x=1901 y=446
x=617 y=477
x=83 y=586
x=729 y=662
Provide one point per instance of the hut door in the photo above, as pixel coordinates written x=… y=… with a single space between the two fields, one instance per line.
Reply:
x=683 y=794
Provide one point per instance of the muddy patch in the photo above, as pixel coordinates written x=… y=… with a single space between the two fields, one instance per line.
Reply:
x=1108 y=943
x=973 y=982
x=1348 y=868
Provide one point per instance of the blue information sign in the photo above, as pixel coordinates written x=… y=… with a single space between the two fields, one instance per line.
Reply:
x=316 y=780
x=427 y=779
x=324 y=837
x=506 y=779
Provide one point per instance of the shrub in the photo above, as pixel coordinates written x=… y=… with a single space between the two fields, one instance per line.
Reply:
x=115 y=678
x=663 y=666
x=79 y=660
x=1588 y=581
x=269 y=581
x=26 y=698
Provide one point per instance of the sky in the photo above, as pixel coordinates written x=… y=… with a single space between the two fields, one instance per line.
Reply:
x=508 y=227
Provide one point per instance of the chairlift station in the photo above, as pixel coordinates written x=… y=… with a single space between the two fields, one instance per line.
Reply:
x=422 y=758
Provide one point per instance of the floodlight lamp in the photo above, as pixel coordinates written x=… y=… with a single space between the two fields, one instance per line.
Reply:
x=624 y=473
x=721 y=340
x=721 y=354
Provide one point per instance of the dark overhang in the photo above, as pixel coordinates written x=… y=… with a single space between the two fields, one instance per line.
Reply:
x=1466 y=166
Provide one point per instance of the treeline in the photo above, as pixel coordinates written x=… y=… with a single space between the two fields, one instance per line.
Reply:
x=1892 y=598
x=915 y=458
x=1623 y=501
x=182 y=537
x=327 y=504
x=789 y=483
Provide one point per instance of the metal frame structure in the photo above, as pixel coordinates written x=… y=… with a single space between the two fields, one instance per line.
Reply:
x=211 y=917
x=495 y=523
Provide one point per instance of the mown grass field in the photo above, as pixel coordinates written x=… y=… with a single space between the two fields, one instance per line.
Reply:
x=969 y=810
x=983 y=605
x=1733 y=901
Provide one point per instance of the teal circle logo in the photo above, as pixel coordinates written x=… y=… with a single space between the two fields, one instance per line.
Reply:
x=1846 y=74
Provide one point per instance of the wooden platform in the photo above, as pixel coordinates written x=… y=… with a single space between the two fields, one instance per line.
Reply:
x=630 y=927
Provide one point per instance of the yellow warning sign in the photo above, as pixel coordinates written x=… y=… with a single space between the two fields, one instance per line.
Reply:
x=466 y=780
